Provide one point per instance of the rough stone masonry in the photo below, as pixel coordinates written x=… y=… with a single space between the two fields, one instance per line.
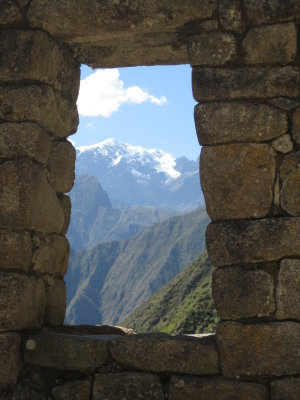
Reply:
x=245 y=59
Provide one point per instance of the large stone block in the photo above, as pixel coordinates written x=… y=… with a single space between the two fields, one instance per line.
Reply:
x=35 y=56
x=288 y=290
x=231 y=15
x=227 y=122
x=127 y=385
x=10 y=14
x=61 y=166
x=285 y=389
x=15 y=250
x=40 y=104
x=273 y=44
x=241 y=293
x=188 y=388
x=215 y=48
x=259 y=350
x=52 y=256
x=248 y=82
x=24 y=140
x=243 y=242
x=67 y=352
x=10 y=360
x=27 y=200
x=75 y=390
x=296 y=126
x=56 y=302
x=22 y=302
x=65 y=203
x=237 y=180
x=290 y=184
x=164 y=353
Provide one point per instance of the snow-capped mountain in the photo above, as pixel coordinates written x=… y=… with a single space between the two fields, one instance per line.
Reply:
x=133 y=175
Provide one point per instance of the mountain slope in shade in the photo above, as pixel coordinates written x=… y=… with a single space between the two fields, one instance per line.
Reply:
x=184 y=305
x=134 y=175
x=115 y=278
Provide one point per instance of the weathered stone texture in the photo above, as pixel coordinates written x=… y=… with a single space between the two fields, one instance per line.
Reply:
x=241 y=293
x=214 y=48
x=69 y=352
x=296 y=126
x=164 y=353
x=22 y=302
x=259 y=350
x=27 y=200
x=273 y=44
x=286 y=104
x=290 y=186
x=55 y=303
x=237 y=180
x=10 y=14
x=61 y=166
x=15 y=250
x=248 y=82
x=52 y=256
x=75 y=390
x=127 y=385
x=288 y=290
x=10 y=360
x=283 y=144
x=34 y=56
x=285 y=389
x=188 y=388
x=231 y=15
x=24 y=140
x=230 y=243
x=65 y=203
x=40 y=104
x=225 y=122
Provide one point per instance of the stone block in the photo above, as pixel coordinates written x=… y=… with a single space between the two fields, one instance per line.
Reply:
x=164 y=353
x=67 y=352
x=296 y=126
x=10 y=14
x=290 y=184
x=241 y=293
x=243 y=242
x=285 y=389
x=15 y=250
x=189 y=388
x=288 y=290
x=61 y=166
x=283 y=144
x=211 y=84
x=209 y=25
x=75 y=390
x=40 y=104
x=52 y=256
x=215 y=48
x=35 y=56
x=237 y=180
x=227 y=122
x=24 y=140
x=22 y=302
x=272 y=44
x=27 y=200
x=65 y=203
x=127 y=385
x=25 y=392
x=259 y=350
x=55 y=303
x=231 y=16
x=10 y=360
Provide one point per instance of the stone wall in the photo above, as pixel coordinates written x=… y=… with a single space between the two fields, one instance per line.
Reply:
x=245 y=59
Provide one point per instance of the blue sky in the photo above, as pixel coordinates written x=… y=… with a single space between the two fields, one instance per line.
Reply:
x=145 y=106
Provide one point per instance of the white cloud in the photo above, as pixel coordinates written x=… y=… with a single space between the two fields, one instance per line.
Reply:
x=102 y=93
x=91 y=125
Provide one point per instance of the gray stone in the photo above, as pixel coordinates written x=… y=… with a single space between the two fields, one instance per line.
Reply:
x=288 y=290
x=127 y=385
x=273 y=44
x=231 y=15
x=241 y=293
x=259 y=350
x=243 y=242
x=283 y=144
x=215 y=48
x=22 y=302
x=61 y=166
x=24 y=140
x=290 y=184
x=164 y=353
x=296 y=126
x=219 y=123
x=285 y=389
x=10 y=360
x=189 y=388
x=237 y=180
x=211 y=84
x=75 y=390
x=285 y=104
x=15 y=250
x=68 y=352
x=55 y=303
